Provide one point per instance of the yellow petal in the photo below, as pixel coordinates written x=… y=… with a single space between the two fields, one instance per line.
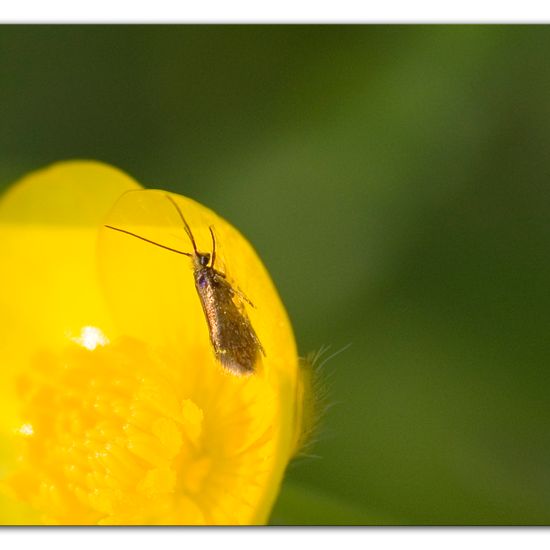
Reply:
x=116 y=409
x=48 y=236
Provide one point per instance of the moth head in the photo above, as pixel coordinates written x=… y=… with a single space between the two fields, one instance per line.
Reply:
x=203 y=258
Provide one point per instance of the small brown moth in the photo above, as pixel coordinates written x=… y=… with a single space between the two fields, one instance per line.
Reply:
x=236 y=345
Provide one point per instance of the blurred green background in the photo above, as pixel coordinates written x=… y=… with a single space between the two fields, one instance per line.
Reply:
x=395 y=180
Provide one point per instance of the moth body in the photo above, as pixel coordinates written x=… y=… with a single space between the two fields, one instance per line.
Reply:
x=234 y=341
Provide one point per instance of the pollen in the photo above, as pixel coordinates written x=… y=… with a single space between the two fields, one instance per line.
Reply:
x=141 y=445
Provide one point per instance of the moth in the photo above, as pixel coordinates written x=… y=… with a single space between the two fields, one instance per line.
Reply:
x=234 y=341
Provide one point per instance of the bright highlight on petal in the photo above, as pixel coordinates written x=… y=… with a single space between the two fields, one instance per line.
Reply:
x=143 y=426
x=26 y=429
x=90 y=338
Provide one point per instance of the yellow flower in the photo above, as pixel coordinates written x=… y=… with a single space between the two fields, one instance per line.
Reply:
x=113 y=406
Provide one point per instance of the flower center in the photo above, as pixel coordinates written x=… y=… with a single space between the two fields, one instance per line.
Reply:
x=115 y=434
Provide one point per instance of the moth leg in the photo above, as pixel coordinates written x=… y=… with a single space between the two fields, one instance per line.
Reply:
x=259 y=345
x=220 y=278
x=220 y=273
x=243 y=296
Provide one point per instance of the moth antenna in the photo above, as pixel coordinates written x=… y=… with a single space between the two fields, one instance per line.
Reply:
x=149 y=241
x=186 y=225
x=213 y=246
